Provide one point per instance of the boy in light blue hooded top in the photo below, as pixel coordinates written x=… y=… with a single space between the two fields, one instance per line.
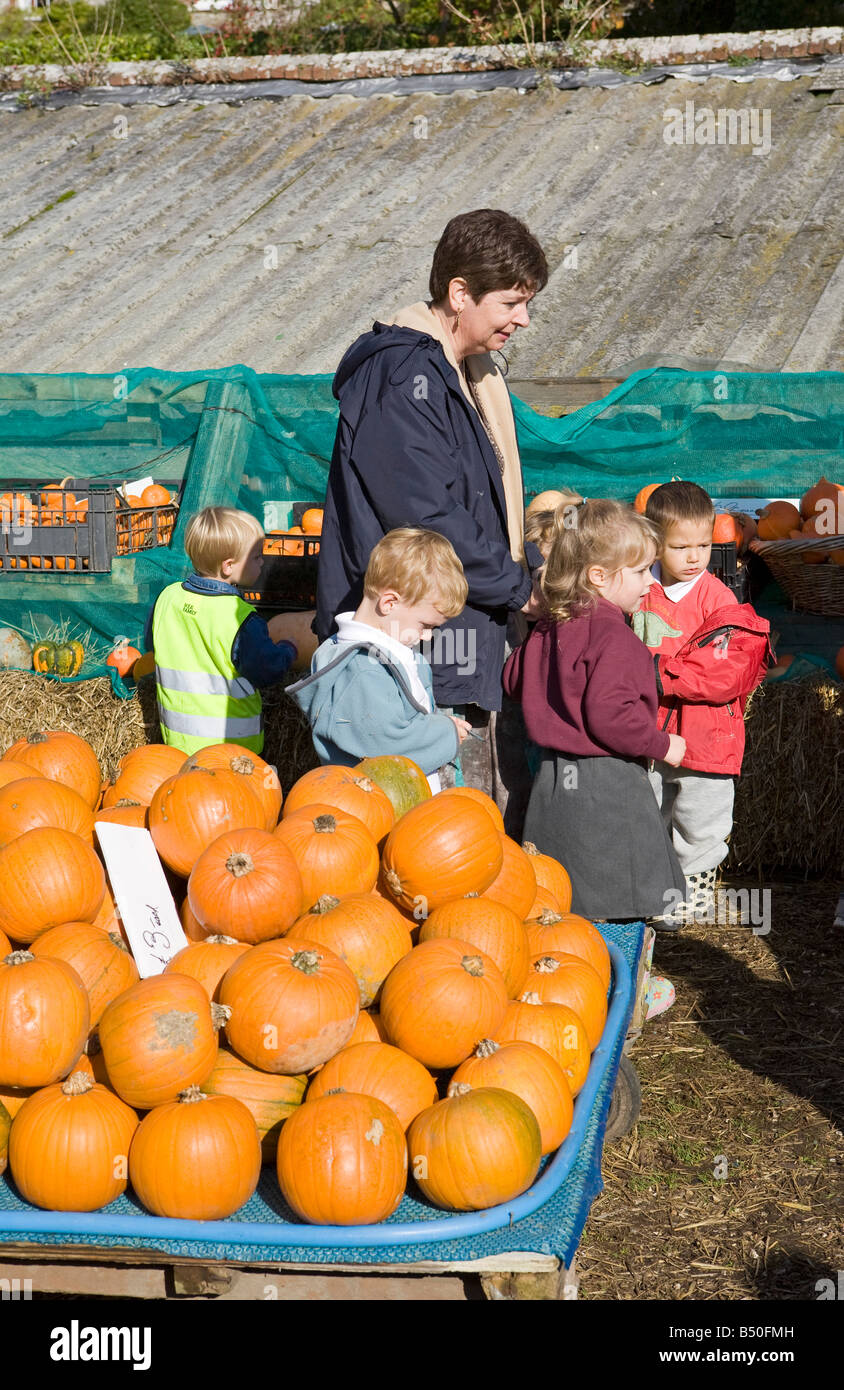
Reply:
x=370 y=692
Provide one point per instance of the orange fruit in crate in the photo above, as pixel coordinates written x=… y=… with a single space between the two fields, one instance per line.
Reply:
x=641 y=501
x=155 y=496
x=727 y=528
x=16 y=509
x=312 y=521
x=777 y=520
x=289 y=547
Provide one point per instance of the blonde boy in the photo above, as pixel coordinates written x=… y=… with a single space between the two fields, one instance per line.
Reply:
x=370 y=691
x=212 y=650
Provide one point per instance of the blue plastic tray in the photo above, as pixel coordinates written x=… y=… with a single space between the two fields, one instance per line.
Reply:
x=548 y=1218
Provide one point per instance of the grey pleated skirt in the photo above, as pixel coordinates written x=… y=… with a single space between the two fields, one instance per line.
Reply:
x=600 y=819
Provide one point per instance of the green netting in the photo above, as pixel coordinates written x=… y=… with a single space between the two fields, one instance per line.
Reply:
x=262 y=442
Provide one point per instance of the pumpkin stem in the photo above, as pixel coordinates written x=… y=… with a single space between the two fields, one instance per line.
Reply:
x=77 y=1084
x=220 y=1015
x=117 y=941
x=393 y=881
x=529 y=847
x=124 y=802
x=458 y=1088
x=326 y=903
x=336 y=1091
x=530 y=998
x=325 y=825
x=191 y=1095
x=475 y=894
x=365 y=783
x=221 y=940
x=473 y=965
x=548 y=917
x=486 y=1047
x=37 y=737
x=19 y=958
x=240 y=864
x=243 y=765
x=306 y=961
x=546 y=965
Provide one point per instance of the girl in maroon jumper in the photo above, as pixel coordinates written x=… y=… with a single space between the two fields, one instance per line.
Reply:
x=588 y=691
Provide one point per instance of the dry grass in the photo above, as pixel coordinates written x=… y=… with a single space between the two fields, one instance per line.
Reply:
x=730 y=1185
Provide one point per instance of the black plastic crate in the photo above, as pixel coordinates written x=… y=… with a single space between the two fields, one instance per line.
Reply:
x=79 y=526
x=288 y=578
x=76 y=533
x=725 y=563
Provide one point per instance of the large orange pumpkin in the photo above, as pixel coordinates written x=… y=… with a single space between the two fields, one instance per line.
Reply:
x=475 y=1150
x=293 y=1005
x=246 y=884
x=529 y=1072
x=442 y=849
x=543 y=902
x=481 y=799
x=776 y=520
x=378 y=1069
x=366 y=1030
x=125 y=812
x=554 y=1027
x=401 y=778
x=727 y=528
x=207 y=961
x=44 y=1019
x=551 y=875
x=270 y=1099
x=36 y=801
x=348 y=791
x=13 y=772
x=823 y=492
x=515 y=883
x=342 y=1161
x=63 y=757
x=48 y=877
x=261 y=777
x=100 y=959
x=69 y=1146
x=641 y=499
x=440 y=1000
x=334 y=852
x=158 y=1037
x=190 y=810
x=491 y=927
x=142 y=771
x=559 y=978
x=197 y=1158
x=573 y=934
x=364 y=930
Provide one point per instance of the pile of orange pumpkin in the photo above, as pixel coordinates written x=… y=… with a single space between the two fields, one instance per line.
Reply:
x=57 y=505
x=355 y=951
x=286 y=542
x=821 y=513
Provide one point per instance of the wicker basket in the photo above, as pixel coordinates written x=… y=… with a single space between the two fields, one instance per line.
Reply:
x=815 y=588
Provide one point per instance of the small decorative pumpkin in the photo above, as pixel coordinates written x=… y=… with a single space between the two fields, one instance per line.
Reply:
x=246 y=885
x=491 y=927
x=190 y=810
x=401 y=778
x=197 y=1158
x=554 y=1027
x=69 y=1148
x=63 y=757
x=515 y=883
x=550 y=874
x=58 y=658
x=100 y=959
x=527 y=1071
x=44 y=1019
x=155 y=496
x=365 y=931
x=123 y=657
x=312 y=521
x=378 y=1069
x=270 y=1099
x=334 y=852
x=475 y=1150
x=346 y=789
x=158 y=1037
x=560 y=978
x=439 y=1000
x=575 y=935
x=293 y=1005
x=260 y=776
x=441 y=849
x=47 y=877
x=342 y=1161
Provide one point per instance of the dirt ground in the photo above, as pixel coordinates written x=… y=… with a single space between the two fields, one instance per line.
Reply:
x=731 y=1185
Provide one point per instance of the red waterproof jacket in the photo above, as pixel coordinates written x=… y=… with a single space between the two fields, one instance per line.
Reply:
x=704 y=685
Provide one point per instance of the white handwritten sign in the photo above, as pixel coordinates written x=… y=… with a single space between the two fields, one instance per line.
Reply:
x=143 y=897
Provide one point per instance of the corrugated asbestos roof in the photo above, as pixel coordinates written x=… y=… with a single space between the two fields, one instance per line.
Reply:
x=160 y=256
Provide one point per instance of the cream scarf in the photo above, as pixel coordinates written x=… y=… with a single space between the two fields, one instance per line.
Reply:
x=495 y=403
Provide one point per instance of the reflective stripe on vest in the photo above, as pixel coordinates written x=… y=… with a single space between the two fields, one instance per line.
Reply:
x=201 y=697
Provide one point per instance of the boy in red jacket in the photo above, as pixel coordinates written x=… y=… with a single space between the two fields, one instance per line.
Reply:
x=710 y=652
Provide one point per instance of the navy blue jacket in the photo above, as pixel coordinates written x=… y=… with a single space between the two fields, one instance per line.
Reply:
x=411 y=451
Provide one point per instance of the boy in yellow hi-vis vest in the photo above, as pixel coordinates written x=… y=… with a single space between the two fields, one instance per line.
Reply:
x=212 y=650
